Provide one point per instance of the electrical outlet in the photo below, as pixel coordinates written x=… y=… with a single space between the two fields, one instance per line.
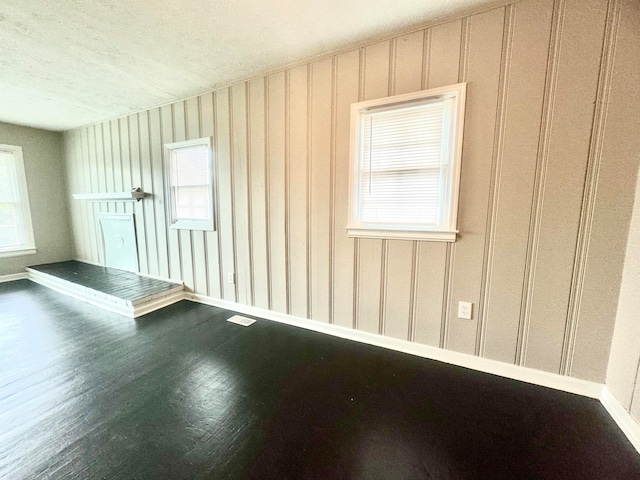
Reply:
x=465 y=310
x=231 y=278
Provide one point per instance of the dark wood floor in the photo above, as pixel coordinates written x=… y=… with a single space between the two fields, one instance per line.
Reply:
x=181 y=393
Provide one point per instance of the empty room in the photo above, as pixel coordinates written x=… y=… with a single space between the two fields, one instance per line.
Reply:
x=384 y=239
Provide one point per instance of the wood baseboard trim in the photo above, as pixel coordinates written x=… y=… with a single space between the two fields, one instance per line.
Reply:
x=625 y=421
x=524 y=374
x=12 y=277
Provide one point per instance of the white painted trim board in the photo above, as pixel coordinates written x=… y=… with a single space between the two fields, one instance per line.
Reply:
x=625 y=421
x=13 y=276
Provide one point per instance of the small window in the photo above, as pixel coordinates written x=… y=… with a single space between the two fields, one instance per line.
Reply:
x=16 y=230
x=190 y=184
x=405 y=165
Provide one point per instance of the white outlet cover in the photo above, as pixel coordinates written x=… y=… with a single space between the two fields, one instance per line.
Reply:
x=465 y=310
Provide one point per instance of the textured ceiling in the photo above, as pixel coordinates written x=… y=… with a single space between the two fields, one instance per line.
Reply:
x=67 y=63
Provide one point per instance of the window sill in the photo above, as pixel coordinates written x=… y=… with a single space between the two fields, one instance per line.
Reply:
x=433 y=236
x=17 y=252
x=192 y=226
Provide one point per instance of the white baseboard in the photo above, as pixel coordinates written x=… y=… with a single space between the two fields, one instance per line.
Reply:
x=12 y=277
x=625 y=421
x=524 y=374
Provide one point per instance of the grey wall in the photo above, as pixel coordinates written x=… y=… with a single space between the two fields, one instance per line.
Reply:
x=545 y=196
x=44 y=168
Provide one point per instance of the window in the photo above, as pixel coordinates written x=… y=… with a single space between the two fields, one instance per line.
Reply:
x=405 y=165
x=190 y=184
x=16 y=230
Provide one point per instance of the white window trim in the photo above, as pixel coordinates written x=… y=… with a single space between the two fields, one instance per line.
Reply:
x=29 y=247
x=446 y=232
x=205 y=225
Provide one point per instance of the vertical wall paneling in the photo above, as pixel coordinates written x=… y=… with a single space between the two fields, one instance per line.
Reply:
x=332 y=188
x=156 y=145
x=375 y=85
x=95 y=187
x=249 y=190
x=172 y=235
x=144 y=211
x=482 y=74
x=112 y=163
x=533 y=236
x=240 y=202
x=193 y=120
x=275 y=156
x=144 y=128
x=297 y=188
x=225 y=225
x=544 y=200
x=211 y=238
x=569 y=136
x=398 y=290
x=347 y=71
x=430 y=282
x=73 y=185
x=512 y=203
x=444 y=54
x=259 y=235
x=287 y=181
x=321 y=103
x=587 y=340
x=185 y=237
x=81 y=239
x=124 y=181
x=406 y=53
x=496 y=178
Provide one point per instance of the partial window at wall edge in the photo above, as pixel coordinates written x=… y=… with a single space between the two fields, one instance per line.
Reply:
x=16 y=227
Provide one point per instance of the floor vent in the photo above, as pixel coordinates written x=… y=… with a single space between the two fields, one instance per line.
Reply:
x=244 y=321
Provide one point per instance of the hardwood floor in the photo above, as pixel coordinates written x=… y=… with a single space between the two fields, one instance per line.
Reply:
x=181 y=393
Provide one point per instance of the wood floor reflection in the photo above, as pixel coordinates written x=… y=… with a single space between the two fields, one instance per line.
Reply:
x=181 y=393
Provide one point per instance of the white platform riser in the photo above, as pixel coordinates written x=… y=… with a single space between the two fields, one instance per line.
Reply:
x=107 y=302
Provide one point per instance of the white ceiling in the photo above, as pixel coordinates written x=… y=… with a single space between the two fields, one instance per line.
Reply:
x=67 y=63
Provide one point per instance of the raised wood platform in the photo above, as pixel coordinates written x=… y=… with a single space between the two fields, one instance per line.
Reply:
x=118 y=291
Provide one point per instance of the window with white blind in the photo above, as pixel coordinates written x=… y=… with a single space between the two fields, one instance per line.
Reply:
x=405 y=165
x=16 y=230
x=190 y=184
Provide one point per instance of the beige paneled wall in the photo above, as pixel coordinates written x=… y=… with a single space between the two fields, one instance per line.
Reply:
x=623 y=377
x=536 y=188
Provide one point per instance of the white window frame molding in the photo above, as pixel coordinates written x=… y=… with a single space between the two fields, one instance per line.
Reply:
x=177 y=224
x=28 y=247
x=446 y=230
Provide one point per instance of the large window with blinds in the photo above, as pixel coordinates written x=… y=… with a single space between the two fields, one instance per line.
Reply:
x=189 y=168
x=16 y=230
x=405 y=165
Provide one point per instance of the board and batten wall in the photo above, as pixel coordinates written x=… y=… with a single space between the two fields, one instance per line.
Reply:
x=42 y=153
x=543 y=211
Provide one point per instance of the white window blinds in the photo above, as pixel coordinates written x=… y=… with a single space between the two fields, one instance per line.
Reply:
x=405 y=165
x=190 y=185
x=402 y=164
